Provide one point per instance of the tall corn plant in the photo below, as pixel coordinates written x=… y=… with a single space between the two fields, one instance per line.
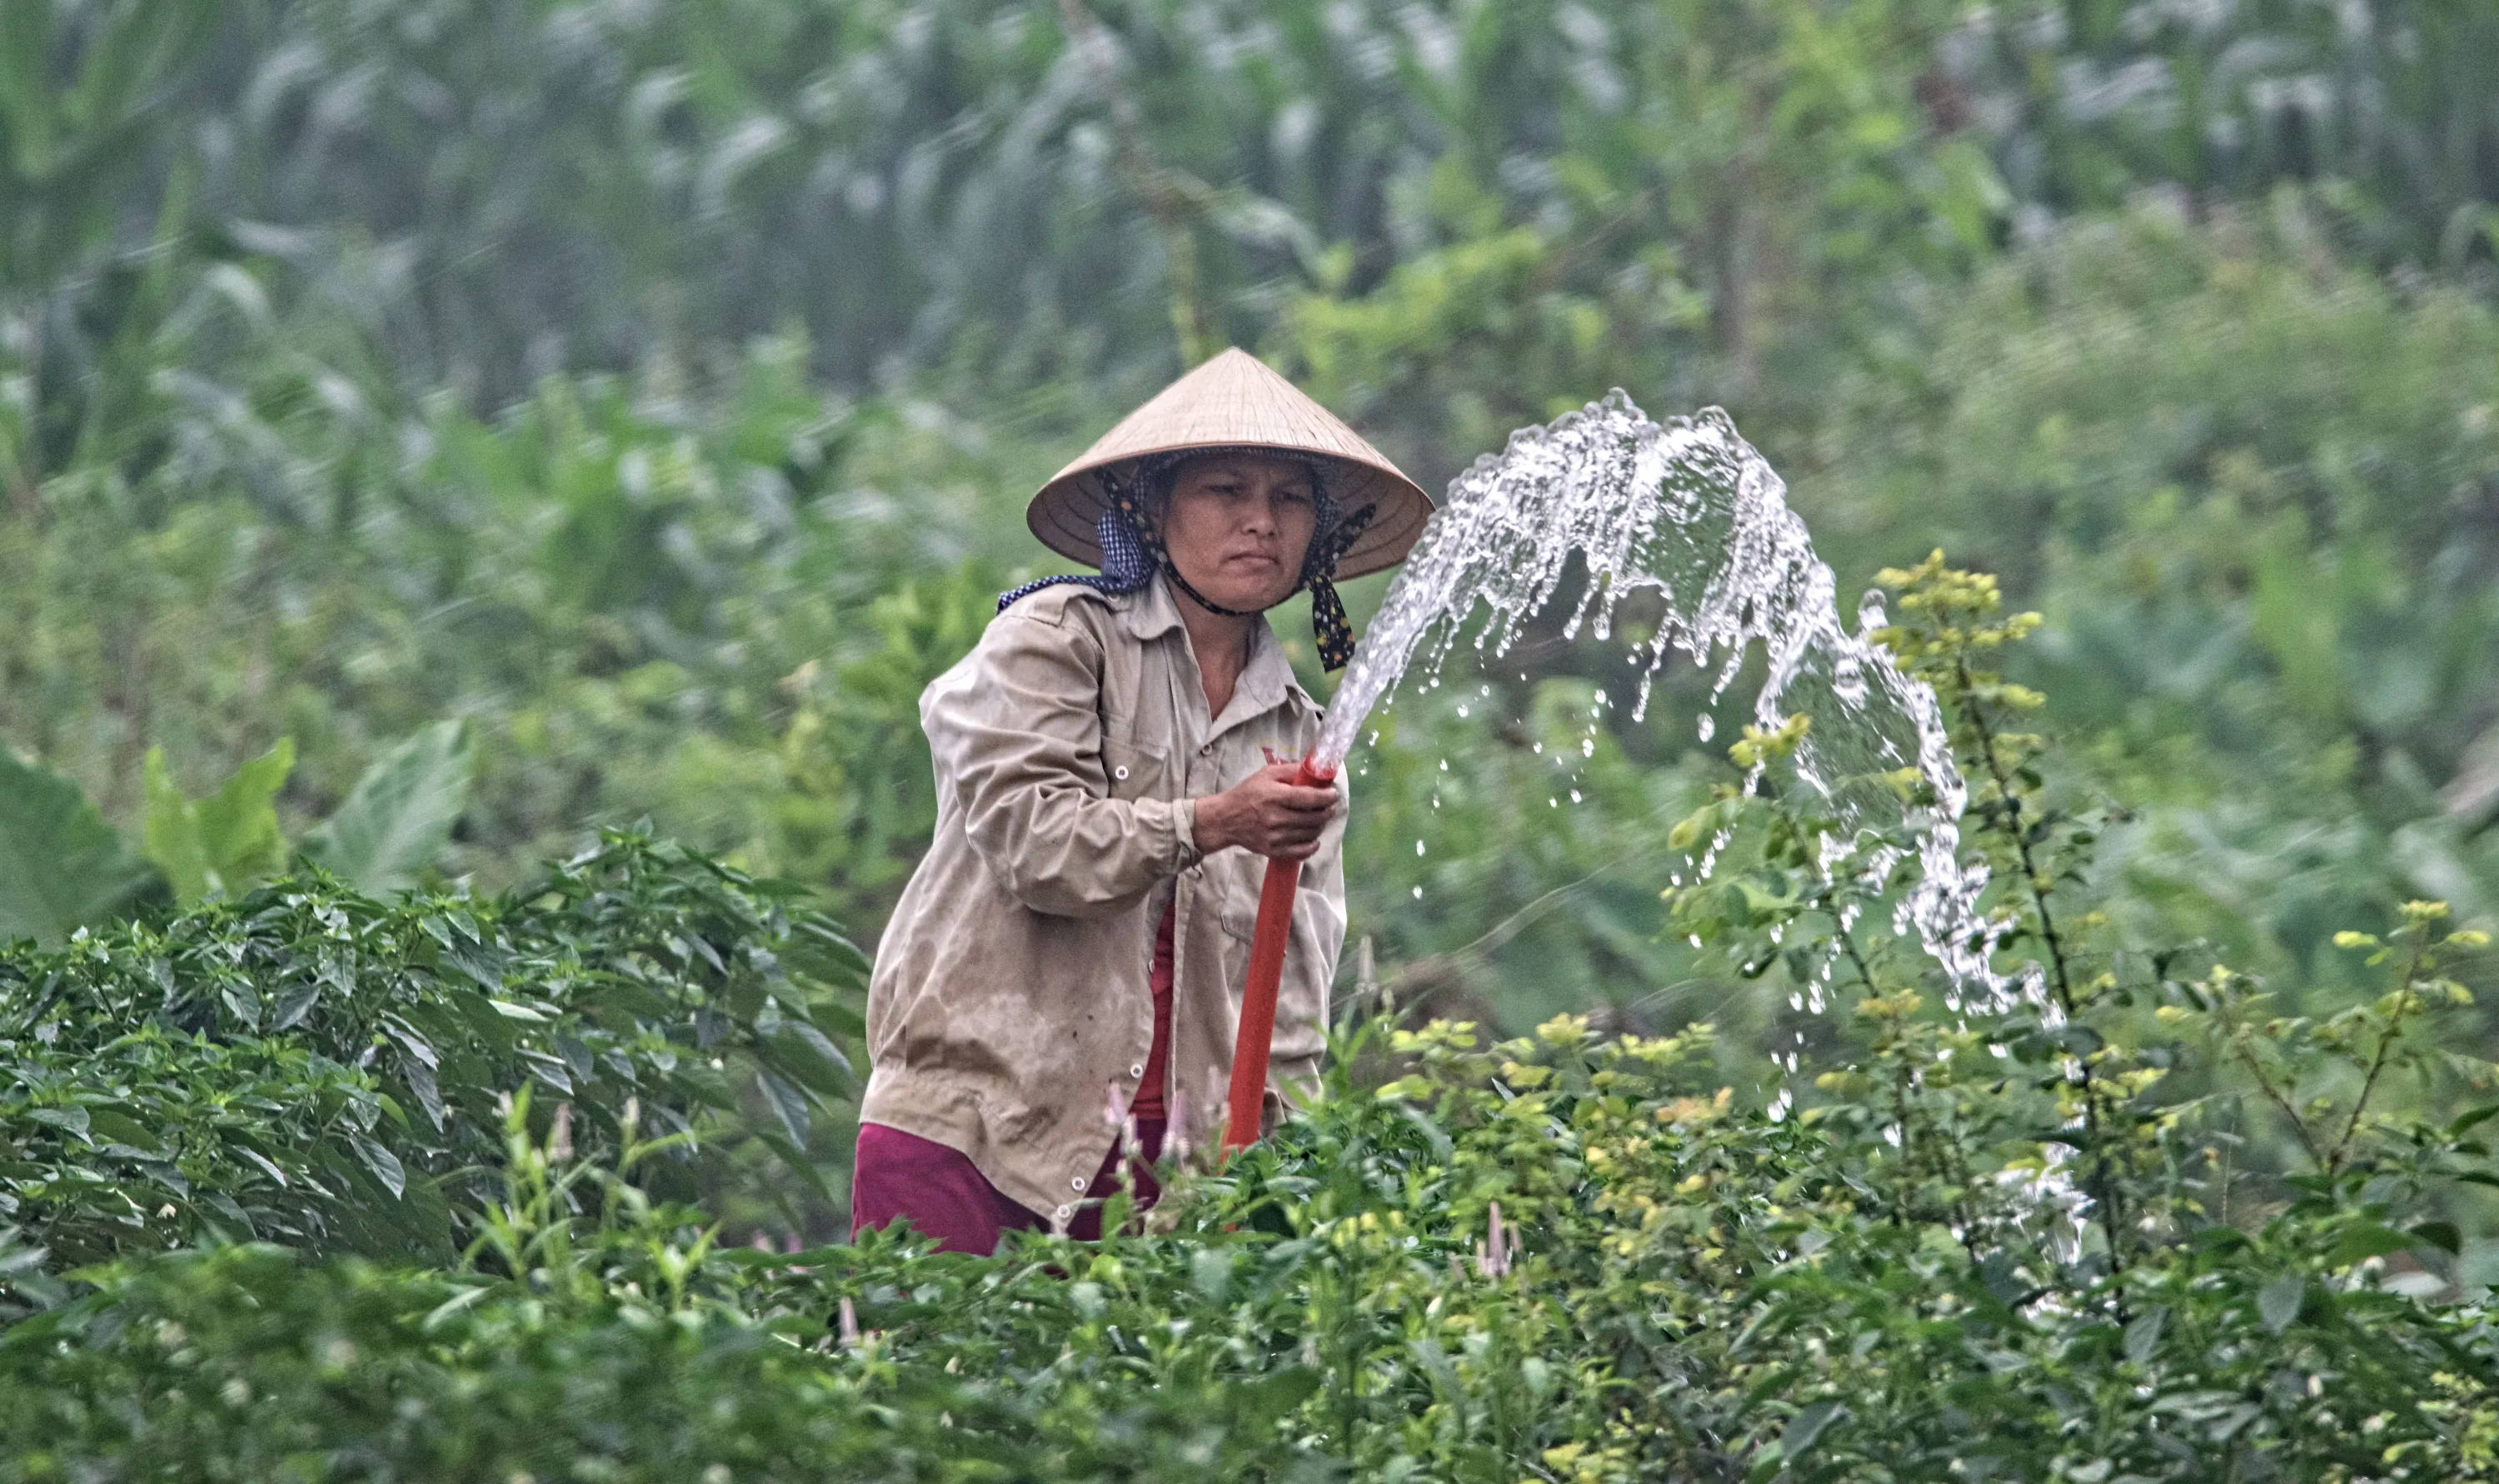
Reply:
x=1035 y=190
x=82 y=140
x=2390 y=99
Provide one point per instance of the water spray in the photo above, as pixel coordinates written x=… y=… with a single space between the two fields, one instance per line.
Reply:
x=1687 y=510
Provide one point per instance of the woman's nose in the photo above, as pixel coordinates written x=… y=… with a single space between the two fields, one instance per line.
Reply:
x=1259 y=514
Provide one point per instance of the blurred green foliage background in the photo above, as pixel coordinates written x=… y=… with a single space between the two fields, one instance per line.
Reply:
x=653 y=386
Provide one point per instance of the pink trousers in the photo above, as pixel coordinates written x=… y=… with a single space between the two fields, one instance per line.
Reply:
x=900 y=1177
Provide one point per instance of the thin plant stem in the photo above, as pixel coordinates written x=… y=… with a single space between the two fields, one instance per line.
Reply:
x=2280 y=1102
x=2103 y=1190
x=2404 y=1002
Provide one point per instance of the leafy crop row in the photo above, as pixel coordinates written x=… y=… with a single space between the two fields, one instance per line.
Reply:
x=309 y=1065
x=2140 y=1226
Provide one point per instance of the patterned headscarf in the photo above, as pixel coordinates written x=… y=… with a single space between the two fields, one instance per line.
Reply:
x=1132 y=549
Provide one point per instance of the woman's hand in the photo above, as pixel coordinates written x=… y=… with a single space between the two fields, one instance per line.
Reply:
x=1267 y=813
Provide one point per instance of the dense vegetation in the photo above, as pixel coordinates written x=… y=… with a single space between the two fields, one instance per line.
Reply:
x=2001 y=1245
x=308 y=1064
x=644 y=385
x=431 y=433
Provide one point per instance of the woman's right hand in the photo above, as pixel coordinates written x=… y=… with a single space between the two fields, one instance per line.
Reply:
x=1267 y=813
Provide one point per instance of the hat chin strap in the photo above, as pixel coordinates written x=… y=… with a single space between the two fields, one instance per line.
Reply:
x=1171 y=570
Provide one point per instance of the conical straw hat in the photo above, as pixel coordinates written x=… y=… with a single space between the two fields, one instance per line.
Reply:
x=1234 y=401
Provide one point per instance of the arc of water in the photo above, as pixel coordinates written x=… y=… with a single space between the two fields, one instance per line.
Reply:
x=1687 y=509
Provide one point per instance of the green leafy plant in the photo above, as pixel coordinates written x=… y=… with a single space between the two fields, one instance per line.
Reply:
x=309 y=1064
x=218 y=844
x=1987 y=1244
x=62 y=867
x=2040 y=1239
x=395 y=822
x=1559 y=1256
x=60 y=864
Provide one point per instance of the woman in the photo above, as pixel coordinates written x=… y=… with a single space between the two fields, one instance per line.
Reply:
x=1115 y=767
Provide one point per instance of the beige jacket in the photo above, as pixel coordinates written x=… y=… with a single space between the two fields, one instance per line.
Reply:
x=1010 y=1008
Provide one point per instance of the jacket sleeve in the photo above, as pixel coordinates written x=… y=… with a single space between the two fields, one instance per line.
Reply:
x=1016 y=730
x=1302 y=1010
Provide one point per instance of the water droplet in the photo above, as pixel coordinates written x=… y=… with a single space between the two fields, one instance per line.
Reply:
x=1575 y=795
x=1418 y=846
x=1419 y=893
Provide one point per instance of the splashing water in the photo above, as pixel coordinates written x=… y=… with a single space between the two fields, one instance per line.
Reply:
x=1687 y=510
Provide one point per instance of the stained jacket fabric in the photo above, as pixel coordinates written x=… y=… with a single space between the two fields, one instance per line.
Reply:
x=1008 y=1012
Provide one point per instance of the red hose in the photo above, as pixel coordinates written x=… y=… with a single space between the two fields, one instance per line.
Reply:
x=1259 y=995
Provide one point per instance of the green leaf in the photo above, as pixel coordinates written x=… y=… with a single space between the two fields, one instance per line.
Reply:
x=2365 y=1241
x=1806 y=1427
x=2476 y=1116
x=789 y=1104
x=61 y=866
x=221 y=844
x=399 y=817
x=2143 y=1336
x=833 y=1074
x=2278 y=1301
x=295 y=1005
x=795 y=1160
x=73 y=1120
x=26 y=97
x=172 y=837
x=1263 y=1403
x=444 y=1313
x=384 y=1165
x=2441 y=1235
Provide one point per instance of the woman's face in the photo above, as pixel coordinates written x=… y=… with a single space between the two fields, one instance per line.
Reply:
x=1237 y=527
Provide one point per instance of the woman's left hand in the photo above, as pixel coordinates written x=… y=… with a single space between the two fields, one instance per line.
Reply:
x=1270 y=813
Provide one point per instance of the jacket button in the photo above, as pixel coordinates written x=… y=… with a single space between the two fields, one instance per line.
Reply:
x=1076 y=1182
x=1139 y=1069
x=1120 y=772
x=1066 y=1212
x=1208 y=751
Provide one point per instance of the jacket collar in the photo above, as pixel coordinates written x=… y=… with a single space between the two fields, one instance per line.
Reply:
x=1265 y=682
x=1151 y=612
